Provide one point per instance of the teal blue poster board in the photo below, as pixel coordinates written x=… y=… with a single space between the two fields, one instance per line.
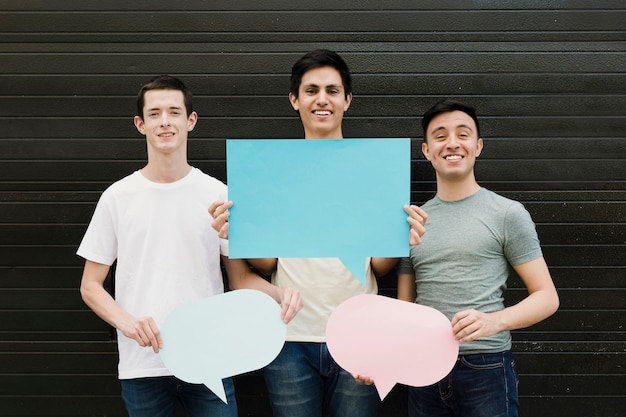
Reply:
x=296 y=198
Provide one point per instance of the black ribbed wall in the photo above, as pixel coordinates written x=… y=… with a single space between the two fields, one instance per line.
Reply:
x=548 y=79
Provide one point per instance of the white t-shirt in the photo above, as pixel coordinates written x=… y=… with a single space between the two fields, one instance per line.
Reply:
x=324 y=283
x=167 y=252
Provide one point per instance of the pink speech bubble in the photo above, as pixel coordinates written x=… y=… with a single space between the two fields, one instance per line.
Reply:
x=391 y=341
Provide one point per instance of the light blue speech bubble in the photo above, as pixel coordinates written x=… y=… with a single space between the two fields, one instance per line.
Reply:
x=221 y=336
x=319 y=199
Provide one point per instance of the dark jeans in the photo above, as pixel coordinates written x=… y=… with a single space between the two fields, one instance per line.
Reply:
x=304 y=375
x=481 y=385
x=156 y=397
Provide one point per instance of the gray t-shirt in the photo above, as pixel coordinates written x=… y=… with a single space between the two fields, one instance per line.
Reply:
x=464 y=259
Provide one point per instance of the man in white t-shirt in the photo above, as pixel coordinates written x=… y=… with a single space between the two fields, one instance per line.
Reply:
x=304 y=377
x=154 y=222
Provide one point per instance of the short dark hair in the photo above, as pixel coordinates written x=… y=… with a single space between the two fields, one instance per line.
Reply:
x=317 y=59
x=447 y=106
x=164 y=82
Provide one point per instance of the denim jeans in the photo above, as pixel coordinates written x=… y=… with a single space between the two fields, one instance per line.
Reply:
x=480 y=385
x=157 y=396
x=304 y=379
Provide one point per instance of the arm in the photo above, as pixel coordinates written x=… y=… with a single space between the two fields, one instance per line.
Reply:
x=382 y=266
x=542 y=301
x=406 y=287
x=240 y=276
x=266 y=266
x=143 y=330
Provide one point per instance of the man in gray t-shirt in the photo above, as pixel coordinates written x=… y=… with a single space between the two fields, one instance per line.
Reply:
x=474 y=237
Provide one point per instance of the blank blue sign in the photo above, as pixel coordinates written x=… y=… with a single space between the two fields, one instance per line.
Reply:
x=296 y=198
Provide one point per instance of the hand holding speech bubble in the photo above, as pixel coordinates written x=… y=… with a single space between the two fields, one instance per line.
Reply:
x=296 y=198
x=391 y=341
x=221 y=336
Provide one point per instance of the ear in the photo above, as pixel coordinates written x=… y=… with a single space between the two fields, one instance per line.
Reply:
x=294 y=102
x=348 y=101
x=191 y=121
x=479 y=146
x=139 y=124
x=425 y=150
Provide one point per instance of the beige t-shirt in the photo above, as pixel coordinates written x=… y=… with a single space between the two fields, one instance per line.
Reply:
x=324 y=283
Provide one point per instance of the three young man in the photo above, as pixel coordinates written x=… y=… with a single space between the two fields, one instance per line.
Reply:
x=136 y=222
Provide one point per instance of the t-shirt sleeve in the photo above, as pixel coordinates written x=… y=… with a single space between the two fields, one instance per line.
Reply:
x=100 y=241
x=521 y=243
x=405 y=266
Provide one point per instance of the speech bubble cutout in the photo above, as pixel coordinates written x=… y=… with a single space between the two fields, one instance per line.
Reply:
x=391 y=341
x=295 y=198
x=221 y=336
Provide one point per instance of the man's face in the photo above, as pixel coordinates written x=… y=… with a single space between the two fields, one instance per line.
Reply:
x=165 y=122
x=321 y=102
x=452 y=145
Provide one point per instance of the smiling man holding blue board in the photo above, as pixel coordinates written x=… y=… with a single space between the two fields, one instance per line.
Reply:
x=304 y=376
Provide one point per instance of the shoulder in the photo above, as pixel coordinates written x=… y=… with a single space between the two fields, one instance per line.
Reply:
x=127 y=184
x=499 y=201
x=512 y=213
x=200 y=176
x=206 y=184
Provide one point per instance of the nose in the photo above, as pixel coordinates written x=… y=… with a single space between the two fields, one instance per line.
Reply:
x=165 y=120
x=322 y=97
x=453 y=141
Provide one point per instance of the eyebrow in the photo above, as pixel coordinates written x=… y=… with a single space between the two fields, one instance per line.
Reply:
x=169 y=108
x=437 y=129
x=327 y=86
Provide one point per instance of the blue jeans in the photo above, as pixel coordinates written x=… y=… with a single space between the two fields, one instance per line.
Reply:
x=157 y=396
x=304 y=378
x=481 y=385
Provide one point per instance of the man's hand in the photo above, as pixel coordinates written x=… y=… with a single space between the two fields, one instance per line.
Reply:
x=363 y=379
x=144 y=331
x=417 y=219
x=219 y=211
x=291 y=303
x=471 y=324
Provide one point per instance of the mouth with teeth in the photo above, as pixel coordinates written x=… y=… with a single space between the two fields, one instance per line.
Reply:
x=322 y=112
x=453 y=157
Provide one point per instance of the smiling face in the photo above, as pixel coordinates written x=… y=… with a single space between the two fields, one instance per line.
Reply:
x=452 y=145
x=321 y=102
x=165 y=122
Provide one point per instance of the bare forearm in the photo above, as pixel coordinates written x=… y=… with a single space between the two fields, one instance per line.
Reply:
x=531 y=310
x=101 y=302
x=255 y=282
x=406 y=287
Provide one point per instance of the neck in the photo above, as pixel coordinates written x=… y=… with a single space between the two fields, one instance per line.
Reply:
x=323 y=135
x=448 y=190
x=165 y=169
